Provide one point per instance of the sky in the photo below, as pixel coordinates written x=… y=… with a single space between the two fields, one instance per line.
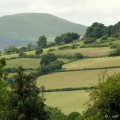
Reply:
x=83 y=12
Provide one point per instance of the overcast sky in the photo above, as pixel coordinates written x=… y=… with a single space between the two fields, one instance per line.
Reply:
x=79 y=11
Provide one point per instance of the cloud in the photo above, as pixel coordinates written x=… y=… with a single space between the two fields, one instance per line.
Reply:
x=81 y=11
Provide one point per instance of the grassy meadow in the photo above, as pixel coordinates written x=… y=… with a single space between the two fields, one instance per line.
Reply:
x=85 y=51
x=25 y=62
x=68 y=101
x=73 y=79
x=93 y=63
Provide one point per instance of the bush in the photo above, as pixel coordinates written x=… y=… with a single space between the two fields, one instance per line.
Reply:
x=89 y=40
x=38 y=51
x=104 y=100
x=50 y=50
x=115 y=52
x=22 y=54
x=73 y=115
x=78 y=56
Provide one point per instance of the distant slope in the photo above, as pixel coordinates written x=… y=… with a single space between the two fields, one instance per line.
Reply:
x=29 y=26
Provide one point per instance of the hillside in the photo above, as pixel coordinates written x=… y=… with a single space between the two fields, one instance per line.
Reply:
x=26 y=27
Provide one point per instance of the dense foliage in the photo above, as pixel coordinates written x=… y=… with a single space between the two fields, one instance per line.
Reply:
x=47 y=59
x=42 y=42
x=97 y=30
x=26 y=101
x=3 y=90
x=105 y=102
x=66 y=38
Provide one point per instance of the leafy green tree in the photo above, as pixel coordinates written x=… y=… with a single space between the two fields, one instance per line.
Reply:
x=47 y=59
x=55 y=114
x=26 y=102
x=0 y=52
x=3 y=90
x=42 y=42
x=38 y=51
x=96 y=30
x=21 y=54
x=73 y=115
x=104 y=101
x=89 y=40
x=78 y=56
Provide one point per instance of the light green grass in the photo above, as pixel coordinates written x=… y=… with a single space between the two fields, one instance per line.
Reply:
x=9 y=56
x=68 y=101
x=72 y=79
x=94 y=63
x=25 y=62
x=85 y=51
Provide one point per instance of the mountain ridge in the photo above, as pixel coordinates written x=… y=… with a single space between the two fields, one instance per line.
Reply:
x=29 y=26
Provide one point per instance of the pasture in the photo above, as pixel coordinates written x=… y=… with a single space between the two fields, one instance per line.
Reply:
x=93 y=63
x=85 y=51
x=68 y=101
x=25 y=62
x=72 y=79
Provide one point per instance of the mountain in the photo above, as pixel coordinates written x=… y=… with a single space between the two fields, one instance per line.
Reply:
x=24 y=28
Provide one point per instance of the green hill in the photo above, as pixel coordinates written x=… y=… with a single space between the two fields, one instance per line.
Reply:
x=26 y=27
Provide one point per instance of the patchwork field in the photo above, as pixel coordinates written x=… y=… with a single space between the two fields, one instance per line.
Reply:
x=85 y=51
x=68 y=101
x=73 y=79
x=93 y=63
x=25 y=62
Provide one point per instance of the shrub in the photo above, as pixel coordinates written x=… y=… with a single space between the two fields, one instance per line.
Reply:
x=89 y=40
x=104 y=100
x=78 y=56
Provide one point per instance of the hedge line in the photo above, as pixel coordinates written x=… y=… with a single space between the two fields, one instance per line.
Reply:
x=87 y=69
x=69 y=89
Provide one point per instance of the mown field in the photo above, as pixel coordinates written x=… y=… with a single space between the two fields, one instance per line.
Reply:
x=93 y=63
x=85 y=51
x=25 y=62
x=73 y=79
x=68 y=101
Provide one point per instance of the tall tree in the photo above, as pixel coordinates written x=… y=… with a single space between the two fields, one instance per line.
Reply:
x=42 y=42
x=3 y=90
x=26 y=100
x=96 y=30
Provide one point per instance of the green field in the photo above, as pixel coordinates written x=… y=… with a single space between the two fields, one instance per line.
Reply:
x=68 y=101
x=72 y=79
x=93 y=63
x=25 y=62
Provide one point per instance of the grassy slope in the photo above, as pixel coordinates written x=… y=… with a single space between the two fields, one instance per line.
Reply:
x=85 y=51
x=68 y=101
x=72 y=79
x=29 y=26
x=94 y=63
x=25 y=62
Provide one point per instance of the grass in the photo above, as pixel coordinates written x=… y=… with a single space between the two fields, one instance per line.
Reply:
x=25 y=62
x=85 y=51
x=93 y=63
x=68 y=101
x=73 y=79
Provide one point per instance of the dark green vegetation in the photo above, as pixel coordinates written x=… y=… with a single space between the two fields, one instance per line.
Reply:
x=27 y=27
x=104 y=102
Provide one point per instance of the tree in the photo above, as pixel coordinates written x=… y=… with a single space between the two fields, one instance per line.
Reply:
x=55 y=114
x=47 y=59
x=38 y=51
x=26 y=102
x=42 y=42
x=73 y=115
x=96 y=30
x=104 y=100
x=3 y=90
x=78 y=56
